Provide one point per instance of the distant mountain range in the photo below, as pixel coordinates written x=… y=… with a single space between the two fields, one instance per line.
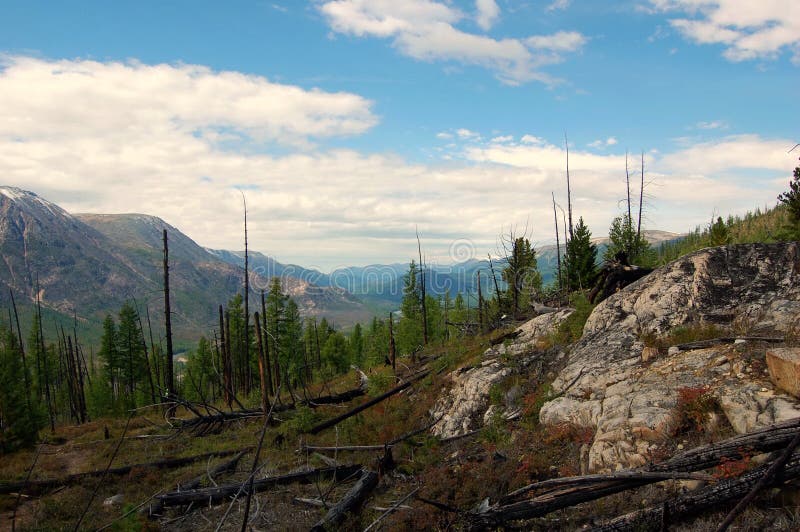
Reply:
x=88 y=265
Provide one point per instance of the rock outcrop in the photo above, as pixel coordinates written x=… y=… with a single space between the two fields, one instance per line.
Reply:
x=629 y=403
x=465 y=405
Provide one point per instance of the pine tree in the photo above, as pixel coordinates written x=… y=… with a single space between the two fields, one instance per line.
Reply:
x=521 y=274
x=357 y=345
x=718 y=234
x=109 y=355
x=581 y=257
x=130 y=350
x=791 y=199
x=409 y=330
x=625 y=239
x=19 y=426
x=292 y=341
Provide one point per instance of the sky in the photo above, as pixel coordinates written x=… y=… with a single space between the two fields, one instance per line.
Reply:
x=349 y=124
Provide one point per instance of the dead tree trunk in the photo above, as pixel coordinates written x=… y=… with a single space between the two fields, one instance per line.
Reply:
x=349 y=503
x=641 y=198
x=248 y=378
x=218 y=494
x=22 y=352
x=261 y=373
x=569 y=192
x=392 y=349
x=480 y=304
x=266 y=343
x=422 y=292
x=45 y=363
x=226 y=377
x=168 y=376
x=316 y=429
x=558 y=242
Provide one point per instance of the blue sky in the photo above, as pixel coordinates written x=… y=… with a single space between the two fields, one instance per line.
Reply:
x=350 y=122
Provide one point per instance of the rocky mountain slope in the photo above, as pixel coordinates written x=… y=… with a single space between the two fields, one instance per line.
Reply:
x=91 y=264
x=623 y=384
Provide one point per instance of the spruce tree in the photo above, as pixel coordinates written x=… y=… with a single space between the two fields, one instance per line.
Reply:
x=19 y=426
x=521 y=274
x=581 y=257
x=791 y=199
x=409 y=329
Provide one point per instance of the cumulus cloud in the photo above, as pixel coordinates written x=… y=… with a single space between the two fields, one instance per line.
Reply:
x=426 y=30
x=487 y=13
x=597 y=144
x=749 y=30
x=140 y=144
x=72 y=98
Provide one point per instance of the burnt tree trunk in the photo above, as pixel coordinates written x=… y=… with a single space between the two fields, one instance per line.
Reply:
x=168 y=376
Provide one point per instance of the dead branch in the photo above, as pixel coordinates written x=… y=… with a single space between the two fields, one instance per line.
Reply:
x=157 y=507
x=698 y=501
x=702 y=344
x=372 y=402
x=764 y=440
x=218 y=494
x=41 y=486
x=350 y=502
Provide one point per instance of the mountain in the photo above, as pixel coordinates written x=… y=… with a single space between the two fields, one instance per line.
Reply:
x=380 y=286
x=90 y=264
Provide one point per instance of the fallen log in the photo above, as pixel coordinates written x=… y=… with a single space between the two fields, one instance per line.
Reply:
x=702 y=344
x=761 y=441
x=316 y=429
x=695 y=502
x=155 y=508
x=349 y=503
x=218 y=494
x=503 y=337
x=40 y=486
x=204 y=424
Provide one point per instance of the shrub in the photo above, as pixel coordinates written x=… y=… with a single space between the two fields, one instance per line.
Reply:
x=693 y=407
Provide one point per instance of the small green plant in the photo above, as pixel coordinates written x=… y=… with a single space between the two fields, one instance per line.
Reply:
x=571 y=329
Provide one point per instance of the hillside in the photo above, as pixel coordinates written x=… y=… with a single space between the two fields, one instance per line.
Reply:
x=488 y=431
x=90 y=264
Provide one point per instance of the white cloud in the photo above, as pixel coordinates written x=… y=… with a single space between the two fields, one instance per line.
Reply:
x=558 y=5
x=443 y=135
x=749 y=30
x=426 y=30
x=562 y=41
x=66 y=99
x=713 y=124
x=133 y=146
x=464 y=133
x=488 y=13
x=597 y=144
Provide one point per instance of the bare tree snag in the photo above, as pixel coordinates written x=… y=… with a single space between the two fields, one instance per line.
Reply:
x=569 y=192
x=266 y=343
x=44 y=359
x=349 y=503
x=168 y=376
x=480 y=304
x=226 y=376
x=422 y=293
x=248 y=372
x=262 y=377
x=641 y=199
x=392 y=347
x=558 y=242
x=22 y=351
